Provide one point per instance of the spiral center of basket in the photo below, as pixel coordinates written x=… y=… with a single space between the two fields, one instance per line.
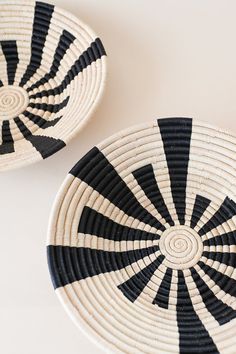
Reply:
x=13 y=101
x=181 y=246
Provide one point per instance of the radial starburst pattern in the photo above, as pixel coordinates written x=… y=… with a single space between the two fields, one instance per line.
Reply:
x=52 y=70
x=143 y=240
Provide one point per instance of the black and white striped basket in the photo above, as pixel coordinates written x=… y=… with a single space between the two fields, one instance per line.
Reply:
x=142 y=240
x=52 y=75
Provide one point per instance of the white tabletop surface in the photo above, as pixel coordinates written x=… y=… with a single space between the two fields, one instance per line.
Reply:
x=166 y=58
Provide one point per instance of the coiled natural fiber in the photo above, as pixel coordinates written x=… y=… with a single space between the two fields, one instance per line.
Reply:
x=52 y=74
x=142 y=240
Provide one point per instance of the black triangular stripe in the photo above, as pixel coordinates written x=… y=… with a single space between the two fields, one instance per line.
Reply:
x=228 y=258
x=220 y=311
x=162 y=296
x=45 y=145
x=134 y=286
x=227 y=239
x=98 y=172
x=66 y=39
x=70 y=264
x=227 y=284
x=53 y=108
x=94 y=223
x=225 y=212
x=193 y=336
x=176 y=137
x=10 y=52
x=41 y=122
x=93 y=53
x=147 y=181
x=42 y=18
x=7 y=145
x=200 y=205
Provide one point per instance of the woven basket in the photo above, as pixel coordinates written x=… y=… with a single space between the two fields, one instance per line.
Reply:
x=142 y=240
x=52 y=74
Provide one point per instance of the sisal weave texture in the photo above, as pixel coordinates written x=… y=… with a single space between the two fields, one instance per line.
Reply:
x=52 y=75
x=142 y=240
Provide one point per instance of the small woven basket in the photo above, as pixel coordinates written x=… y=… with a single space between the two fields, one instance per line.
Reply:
x=52 y=74
x=142 y=240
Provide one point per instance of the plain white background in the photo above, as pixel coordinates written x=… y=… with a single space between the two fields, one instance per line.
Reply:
x=166 y=58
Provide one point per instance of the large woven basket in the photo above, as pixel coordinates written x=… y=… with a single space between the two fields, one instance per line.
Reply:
x=142 y=240
x=52 y=73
